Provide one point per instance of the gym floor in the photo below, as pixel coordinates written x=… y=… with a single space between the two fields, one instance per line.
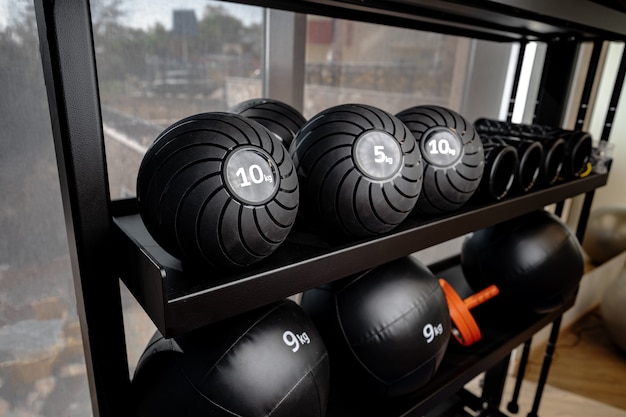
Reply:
x=586 y=377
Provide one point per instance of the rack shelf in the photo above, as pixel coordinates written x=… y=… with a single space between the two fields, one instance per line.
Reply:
x=179 y=301
x=498 y=20
x=459 y=364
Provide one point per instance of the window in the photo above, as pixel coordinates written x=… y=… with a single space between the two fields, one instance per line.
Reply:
x=387 y=67
x=158 y=63
x=42 y=367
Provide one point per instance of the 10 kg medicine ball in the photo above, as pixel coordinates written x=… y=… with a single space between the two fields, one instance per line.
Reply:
x=218 y=189
x=386 y=329
x=359 y=168
x=453 y=157
x=535 y=260
x=270 y=361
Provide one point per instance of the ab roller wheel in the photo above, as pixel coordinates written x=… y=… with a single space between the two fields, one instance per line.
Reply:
x=566 y=152
x=465 y=330
x=278 y=117
x=360 y=170
x=453 y=157
x=530 y=156
x=218 y=189
x=501 y=162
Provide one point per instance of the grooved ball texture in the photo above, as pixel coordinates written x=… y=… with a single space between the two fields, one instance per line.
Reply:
x=218 y=189
x=359 y=168
x=453 y=157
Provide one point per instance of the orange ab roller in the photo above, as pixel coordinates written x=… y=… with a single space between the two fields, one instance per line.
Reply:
x=464 y=327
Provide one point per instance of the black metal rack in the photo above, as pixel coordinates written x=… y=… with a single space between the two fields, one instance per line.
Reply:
x=107 y=240
x=172 y=297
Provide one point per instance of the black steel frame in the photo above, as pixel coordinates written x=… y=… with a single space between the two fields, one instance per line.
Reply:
x=102 y=249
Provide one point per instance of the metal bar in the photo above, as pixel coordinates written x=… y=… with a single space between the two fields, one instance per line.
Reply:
x=513 y=405
x=549 y=109
x=558 y=211
x=588 y=86
x=493 y=386
x=584 y=215
x=617 y=91
x=284 y=56
x=516 y=79
x=66 y=40
x=545 y=367
x=554 y=87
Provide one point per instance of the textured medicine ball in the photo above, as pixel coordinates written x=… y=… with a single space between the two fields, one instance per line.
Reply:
x=453 y=157
x=535 y=261
x=386 y=329
x=270 y=361
x=605 y=236
x=218 y=189
x=359 y=168
x=278 y=117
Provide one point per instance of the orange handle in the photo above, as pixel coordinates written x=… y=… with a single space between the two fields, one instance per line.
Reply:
x=465 y=329
x=481 y=296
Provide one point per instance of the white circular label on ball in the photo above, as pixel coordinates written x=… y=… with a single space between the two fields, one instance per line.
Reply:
x=251 y=175
x=441 y=147
x=378 y=155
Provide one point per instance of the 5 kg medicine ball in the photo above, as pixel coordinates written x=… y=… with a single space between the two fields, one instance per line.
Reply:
x=386 y=329
x=535 y=261
x=218 y=189
x=278 y=117
x=359 y=168
x=453 y=157
x=270 y=361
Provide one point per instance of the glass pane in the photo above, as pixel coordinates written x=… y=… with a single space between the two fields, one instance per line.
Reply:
x=42 y=367
x=159 y=62
x=391 y=68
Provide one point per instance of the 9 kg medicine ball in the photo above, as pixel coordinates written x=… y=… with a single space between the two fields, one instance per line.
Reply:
x=453 y=157
x=386 y=329
x=535 y=261
x=270 y=361
x=359 y=168
x=278 y=117
x=218 y=189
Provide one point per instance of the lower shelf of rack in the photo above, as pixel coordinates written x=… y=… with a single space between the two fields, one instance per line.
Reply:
x=502 y=332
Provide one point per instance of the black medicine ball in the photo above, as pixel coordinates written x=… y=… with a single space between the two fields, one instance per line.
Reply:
x=453 y=157
x=218 y=189
x=359 y=168
x=278 y=117
x=270 y=361
x=535 y=260
x=386 y=329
